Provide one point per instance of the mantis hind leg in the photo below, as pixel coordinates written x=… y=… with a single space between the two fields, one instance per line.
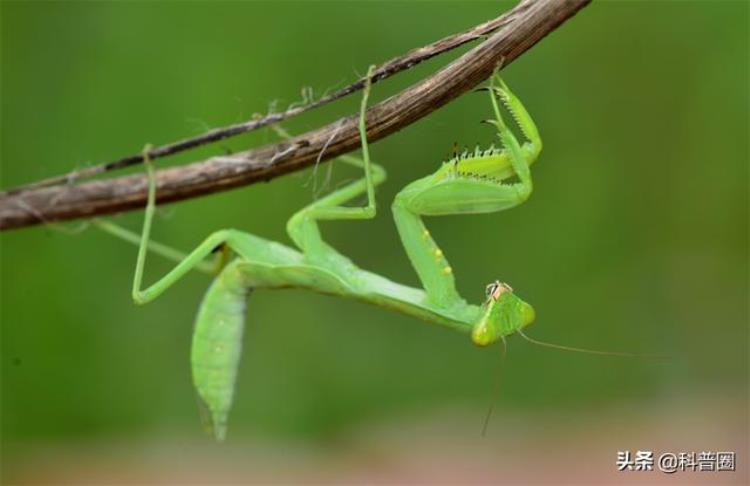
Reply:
x=217 y=336
x=224 y=240
x=303 y=226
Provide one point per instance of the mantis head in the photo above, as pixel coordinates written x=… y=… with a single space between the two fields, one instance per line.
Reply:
x=503 y=313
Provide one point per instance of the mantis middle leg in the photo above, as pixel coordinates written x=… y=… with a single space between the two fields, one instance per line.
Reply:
x=303 y=226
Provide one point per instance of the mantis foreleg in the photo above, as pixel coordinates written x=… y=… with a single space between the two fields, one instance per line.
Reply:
x=465 y=184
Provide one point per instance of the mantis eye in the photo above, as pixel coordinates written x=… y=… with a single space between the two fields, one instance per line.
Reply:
x=490 y=290
x=496 y=289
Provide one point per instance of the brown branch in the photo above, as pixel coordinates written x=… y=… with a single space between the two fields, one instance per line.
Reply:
x=385 y=70
x=524 y=26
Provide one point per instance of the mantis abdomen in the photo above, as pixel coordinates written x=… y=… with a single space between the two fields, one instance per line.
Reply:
x=217 y=345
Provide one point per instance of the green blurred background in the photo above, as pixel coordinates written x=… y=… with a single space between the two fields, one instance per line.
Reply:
x=636 y=239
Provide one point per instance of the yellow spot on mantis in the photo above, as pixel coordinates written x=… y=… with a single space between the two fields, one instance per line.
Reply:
x=447 y=270
x=438 y=253
x=425 y=233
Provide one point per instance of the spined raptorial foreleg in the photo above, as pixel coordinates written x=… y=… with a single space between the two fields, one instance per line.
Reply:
x=533 y=144
x=470 y=184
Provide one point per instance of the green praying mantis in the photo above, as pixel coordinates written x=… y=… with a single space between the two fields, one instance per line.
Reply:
x=468 y=183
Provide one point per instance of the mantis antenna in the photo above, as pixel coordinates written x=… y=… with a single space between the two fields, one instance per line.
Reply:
x=588 y=351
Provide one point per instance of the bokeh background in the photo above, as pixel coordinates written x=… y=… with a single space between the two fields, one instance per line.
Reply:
x=635 y=239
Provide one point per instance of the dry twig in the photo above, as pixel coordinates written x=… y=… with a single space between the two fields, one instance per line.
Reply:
x=522 y=27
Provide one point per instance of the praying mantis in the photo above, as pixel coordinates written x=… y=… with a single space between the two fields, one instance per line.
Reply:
x=481 y=181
